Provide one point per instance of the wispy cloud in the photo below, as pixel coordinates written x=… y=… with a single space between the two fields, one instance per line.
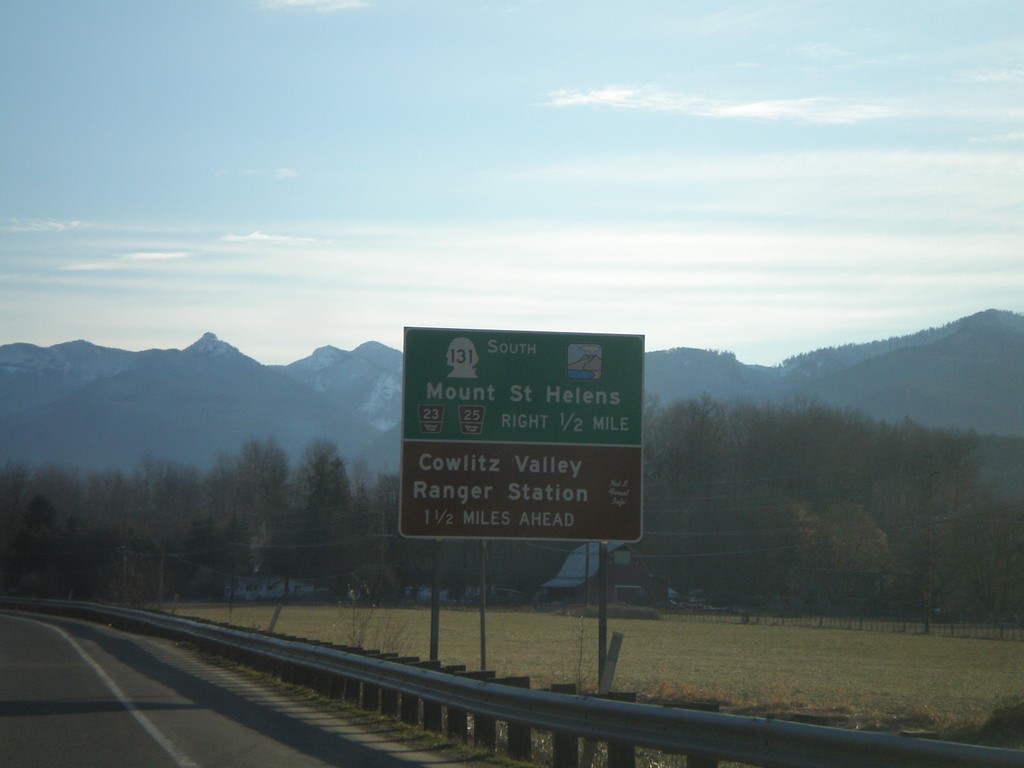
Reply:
x=731 y=19
x=156 y=255
x=653 y=99
x=993 y=75
x=821 y=51
x=92 y=266
x=263 y=237
x=42 y=225
x=1003 y=138
x=914 y=191
x=810 y=110
x=139 y=257
x=320 y=6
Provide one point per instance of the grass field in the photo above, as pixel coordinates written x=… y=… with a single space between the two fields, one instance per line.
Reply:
x=873 y=680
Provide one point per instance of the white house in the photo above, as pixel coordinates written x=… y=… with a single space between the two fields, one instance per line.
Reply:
x=260 y=587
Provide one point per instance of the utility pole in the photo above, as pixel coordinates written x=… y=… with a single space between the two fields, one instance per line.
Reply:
x=232 y=545
x=124 y=560
x=483 y=604
x=380 y=552
x=602 y=608
x=435 y=603
x=160 y=587
x=928 y=556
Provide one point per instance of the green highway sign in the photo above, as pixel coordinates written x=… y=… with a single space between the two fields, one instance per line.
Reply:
x=514 y=434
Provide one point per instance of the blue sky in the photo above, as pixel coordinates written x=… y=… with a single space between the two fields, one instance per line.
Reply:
x=765 y=177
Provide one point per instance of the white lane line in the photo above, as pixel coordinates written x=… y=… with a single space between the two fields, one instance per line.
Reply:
x=179 y=758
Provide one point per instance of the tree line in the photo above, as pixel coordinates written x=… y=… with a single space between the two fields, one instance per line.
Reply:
x=168 y=529
x=804 y=508
x=793 y=508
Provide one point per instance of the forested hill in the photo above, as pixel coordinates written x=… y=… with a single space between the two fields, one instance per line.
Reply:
x=93 y=407
x=966 y=375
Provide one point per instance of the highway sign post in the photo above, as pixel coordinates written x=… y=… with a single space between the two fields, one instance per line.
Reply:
x=522 y=435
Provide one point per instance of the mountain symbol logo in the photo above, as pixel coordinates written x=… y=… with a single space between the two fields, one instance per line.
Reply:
x=584 y=361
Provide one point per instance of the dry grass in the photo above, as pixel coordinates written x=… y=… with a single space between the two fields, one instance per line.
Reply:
x=871 y=680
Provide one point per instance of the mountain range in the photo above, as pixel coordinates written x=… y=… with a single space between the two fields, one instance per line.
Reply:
x=94 y=407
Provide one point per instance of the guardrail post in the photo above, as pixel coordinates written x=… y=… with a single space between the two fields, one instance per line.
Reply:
x=699 y=759
x=324 y=683
x=457 y=724
x=458 y=719
x=433 y=716
x=389 y=702
x=620 y=755
x=433 y=712
x=350 y=691
x=336 y=686
x=485 y=728
x=410 y=708
x=565 y=747
x=485 y=732
x=289 y=673
x=305 y=676
x=370 y=697
x=519 y=743
x=389 y=698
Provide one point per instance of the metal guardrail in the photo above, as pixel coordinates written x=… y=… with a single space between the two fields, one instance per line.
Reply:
x=704 y=736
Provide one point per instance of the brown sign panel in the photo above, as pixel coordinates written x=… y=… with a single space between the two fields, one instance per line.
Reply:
x=539 y=491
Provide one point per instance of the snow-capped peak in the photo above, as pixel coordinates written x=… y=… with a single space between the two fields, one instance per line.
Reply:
x=209 y=344
x=325 y=357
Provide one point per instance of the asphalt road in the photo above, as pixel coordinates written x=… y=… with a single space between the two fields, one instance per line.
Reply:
x=85 y=695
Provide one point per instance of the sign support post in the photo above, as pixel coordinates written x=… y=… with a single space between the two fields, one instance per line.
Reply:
x=602 y=608
x=483 y=604
x=435 y=603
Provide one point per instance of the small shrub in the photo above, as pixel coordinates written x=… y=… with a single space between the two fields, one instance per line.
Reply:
x=1005 y=728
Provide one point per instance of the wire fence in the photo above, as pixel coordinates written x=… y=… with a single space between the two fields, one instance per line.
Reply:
x=1010 y=632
